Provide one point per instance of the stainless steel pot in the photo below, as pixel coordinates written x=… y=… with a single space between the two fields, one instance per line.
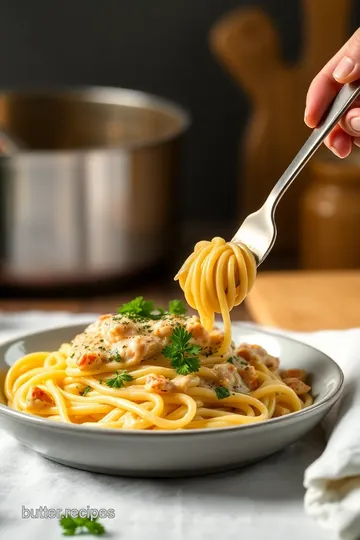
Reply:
x=90 y=197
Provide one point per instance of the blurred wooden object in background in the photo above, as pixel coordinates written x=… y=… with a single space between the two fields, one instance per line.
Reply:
x=306 y=301
x=330 y=214
x=248 y=45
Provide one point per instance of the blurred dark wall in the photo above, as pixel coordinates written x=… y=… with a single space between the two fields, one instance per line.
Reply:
x=160 y=46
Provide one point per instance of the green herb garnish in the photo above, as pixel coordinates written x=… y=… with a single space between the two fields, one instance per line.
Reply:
x=222 y=392
x=237 y=361
x=177 y=307
x=72 y=526
x=116 y=357
x=119 y=379
x=140 y=309
x=86 y=390
x=181 y=353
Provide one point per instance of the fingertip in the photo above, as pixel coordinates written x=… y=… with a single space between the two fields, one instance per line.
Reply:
x=344 y=69
x=309 y=120
x=310 y=117
x=350 y=122
x=327 y=143
x=339 y=142
x=321 y=92
x=347 y=151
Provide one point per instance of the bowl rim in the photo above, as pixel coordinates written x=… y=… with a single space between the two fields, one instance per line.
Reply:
x=76 y=429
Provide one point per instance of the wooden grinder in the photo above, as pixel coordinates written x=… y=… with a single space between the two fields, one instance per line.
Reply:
x=330 y=214
x=247 y=44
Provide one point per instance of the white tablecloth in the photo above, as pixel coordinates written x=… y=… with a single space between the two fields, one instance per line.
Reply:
x=263 y=501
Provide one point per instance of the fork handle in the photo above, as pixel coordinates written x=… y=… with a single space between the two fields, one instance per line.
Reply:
x=337 y=109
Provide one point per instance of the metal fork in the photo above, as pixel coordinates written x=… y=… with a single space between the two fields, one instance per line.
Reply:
x=258 y=231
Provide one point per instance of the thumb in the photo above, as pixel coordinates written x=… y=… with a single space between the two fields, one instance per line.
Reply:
x=348 y=69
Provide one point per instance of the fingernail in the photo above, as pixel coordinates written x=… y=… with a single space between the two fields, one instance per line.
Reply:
x=335 y=151
x=344 y=68
x=357 y=141
x=355 y=123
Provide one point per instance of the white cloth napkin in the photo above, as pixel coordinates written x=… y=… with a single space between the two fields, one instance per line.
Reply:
x=332 y=482
x=264 y=500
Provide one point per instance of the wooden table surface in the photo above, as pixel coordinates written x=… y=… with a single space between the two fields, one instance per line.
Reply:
x=306 y=301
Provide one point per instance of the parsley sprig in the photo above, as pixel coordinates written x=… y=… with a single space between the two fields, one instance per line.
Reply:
x=119 y=379
x=72 y=526
x=115 y=357
x=177 y=307
x=86 y=390
x=181 y=353
x=222 y=392
x=138 y=308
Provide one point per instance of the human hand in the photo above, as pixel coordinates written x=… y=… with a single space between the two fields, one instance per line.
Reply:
x=343 y=68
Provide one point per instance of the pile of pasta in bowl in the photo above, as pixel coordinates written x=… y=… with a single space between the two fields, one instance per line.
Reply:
x=147 y=368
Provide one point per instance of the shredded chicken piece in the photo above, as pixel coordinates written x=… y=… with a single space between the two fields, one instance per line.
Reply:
x=162 y=385
x=158 y=384
x=216 y=339
x=163 y=328
x=298 y=386
x=198 y=332
x=294 y=373
x=89 y=359
x=122 y=330
x=249 y=376
x=38 y=398
x=272 y=363
x=228 y=376
x=139 y=348
x=280 y=411
x=132 y=340
x=255 y=353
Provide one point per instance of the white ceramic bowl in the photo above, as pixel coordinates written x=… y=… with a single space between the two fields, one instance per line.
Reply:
x=179 y=453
